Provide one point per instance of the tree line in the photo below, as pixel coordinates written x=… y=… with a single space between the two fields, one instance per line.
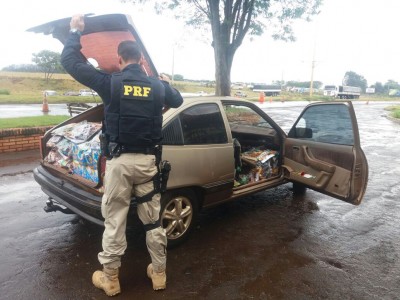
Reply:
x=46 y=61
x=49 y=63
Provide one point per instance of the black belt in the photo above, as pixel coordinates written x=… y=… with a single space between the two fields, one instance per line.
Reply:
x=132 y=149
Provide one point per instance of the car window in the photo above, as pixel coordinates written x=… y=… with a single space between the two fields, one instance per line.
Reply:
x=243 y=116
x=203 y=124
x=172 y=133
x=325 y=123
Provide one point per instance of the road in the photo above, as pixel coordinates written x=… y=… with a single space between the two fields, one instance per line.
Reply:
x=268 y=246
x=28 y=110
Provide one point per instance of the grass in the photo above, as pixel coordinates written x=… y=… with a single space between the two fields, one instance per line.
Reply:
x=396 y=114
x=24 y=88
x=23 y=122
x=394 y=111
x=28 y=88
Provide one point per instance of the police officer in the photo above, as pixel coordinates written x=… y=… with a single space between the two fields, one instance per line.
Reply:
x=133 y=104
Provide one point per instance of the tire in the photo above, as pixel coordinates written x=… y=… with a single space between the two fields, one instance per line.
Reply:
x=298 y=189
x=179 y=211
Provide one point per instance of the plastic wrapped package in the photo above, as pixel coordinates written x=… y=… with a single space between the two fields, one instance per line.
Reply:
x=52 y=142
x=76 y=147
x=78 y=132
x=85 y=157
x=86 y=172
x=87 y=154
x=257 y=164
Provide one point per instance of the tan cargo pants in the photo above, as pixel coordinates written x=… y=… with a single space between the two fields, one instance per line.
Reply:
x=130 y=173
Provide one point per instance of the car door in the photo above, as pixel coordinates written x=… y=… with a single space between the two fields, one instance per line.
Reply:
x=323 y=152
x=197 y=144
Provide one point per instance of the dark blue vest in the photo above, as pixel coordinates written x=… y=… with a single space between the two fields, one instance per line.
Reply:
x=134 y=115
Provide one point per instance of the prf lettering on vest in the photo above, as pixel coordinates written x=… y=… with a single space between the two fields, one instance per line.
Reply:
x=137 y=91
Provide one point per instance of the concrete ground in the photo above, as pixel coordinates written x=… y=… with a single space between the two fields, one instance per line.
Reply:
x=18 y=162
x=272 y=245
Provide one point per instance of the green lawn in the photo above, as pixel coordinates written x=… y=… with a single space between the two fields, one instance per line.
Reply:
x=23 y=88
x=27 y=88
x=23 y=122
x=396 y=114
x=394 y=111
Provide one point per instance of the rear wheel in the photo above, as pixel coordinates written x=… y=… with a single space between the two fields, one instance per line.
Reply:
x=179 y=210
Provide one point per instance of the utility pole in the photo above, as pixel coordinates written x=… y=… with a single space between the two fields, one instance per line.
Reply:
x=173 y=63
x=312 y=71
x=312 y=77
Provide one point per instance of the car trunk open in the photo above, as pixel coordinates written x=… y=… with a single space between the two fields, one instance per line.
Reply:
x=63 y=154
x=72 y=149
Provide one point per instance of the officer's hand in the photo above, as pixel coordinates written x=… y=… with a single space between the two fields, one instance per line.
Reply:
x=164 y=77
x=77 y=22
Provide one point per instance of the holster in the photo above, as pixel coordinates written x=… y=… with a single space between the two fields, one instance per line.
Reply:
x=114 y=149
x=160 y=180
x=165 y=168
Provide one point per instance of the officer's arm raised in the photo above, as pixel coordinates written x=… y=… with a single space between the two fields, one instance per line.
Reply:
x=76 y=64
x=172 y=96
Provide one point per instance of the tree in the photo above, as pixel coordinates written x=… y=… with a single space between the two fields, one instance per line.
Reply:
x=22 y=68
x=353 y=79
x=232 y=20
x=391 y=85
x=48 y=61
x=178 y=77
x=379 y=88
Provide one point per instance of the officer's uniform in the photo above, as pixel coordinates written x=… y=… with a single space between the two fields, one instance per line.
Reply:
x=133 y=118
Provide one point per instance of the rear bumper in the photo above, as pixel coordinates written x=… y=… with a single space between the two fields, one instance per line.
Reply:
x=84 y=204
x=79 y=201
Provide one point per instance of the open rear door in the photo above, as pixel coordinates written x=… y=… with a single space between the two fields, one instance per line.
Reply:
x=323 y=152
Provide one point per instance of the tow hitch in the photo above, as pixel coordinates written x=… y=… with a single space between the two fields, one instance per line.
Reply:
x=50 y=207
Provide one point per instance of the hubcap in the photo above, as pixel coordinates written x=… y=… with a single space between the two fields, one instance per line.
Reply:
x=177 y=216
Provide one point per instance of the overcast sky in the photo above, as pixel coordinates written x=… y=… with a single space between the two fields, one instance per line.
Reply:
x=348 y=35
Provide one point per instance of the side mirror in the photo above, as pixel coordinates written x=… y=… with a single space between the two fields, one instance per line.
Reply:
x=304 y=133
x=301 y=133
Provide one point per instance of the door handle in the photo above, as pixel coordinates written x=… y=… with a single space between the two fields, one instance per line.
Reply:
x=316 y=163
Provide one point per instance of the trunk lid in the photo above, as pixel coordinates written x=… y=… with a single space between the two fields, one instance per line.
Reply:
x=100 y=38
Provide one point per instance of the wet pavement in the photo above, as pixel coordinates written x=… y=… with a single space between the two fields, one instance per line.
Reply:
x=28 y=110
x=12 y=163
x=268 y=246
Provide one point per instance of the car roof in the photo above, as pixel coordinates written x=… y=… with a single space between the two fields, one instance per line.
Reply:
x=100 y=39
x=188 y=101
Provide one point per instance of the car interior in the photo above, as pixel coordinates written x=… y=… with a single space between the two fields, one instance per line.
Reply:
x=256 y=146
